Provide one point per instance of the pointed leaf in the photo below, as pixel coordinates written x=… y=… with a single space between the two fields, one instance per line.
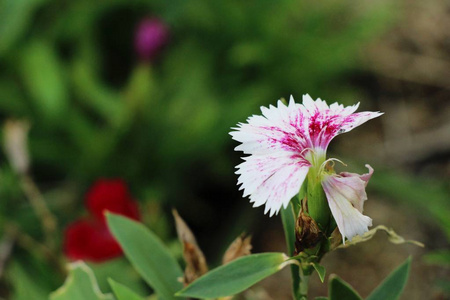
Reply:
x=80 y=285
x=148 y=255
x=122 y=292
x=288 y=219
x=340 y=290
x=236 y=276
x=393 y=285
x=320 y=270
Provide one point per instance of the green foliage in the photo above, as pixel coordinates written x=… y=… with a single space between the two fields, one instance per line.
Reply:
x=25 y=287
x=438 y=257
x=320 y=271
x=80 y=285
x=148 y=255
x=70 y=69
x=393 y=285
x=288 y=219
x=43 y=76
x=118 y=270
x=235 y=276
x=390 y=288
x=122 y=292
x=412 y=191
x=339 y=289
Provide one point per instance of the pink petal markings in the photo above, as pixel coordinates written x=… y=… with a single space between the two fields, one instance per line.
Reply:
x=346 y=196
x=326 y=122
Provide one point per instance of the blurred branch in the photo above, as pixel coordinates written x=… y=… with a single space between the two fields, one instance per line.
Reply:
x=31 y=245
x=6 y=246
x=16 y=148
x=37 y=201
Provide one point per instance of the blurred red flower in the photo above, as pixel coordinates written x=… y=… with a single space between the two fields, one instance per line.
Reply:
x=89 y=238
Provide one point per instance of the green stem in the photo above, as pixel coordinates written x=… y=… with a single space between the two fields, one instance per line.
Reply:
x=303 y=292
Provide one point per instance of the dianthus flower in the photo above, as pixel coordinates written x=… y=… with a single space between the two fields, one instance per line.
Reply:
x=287 y=148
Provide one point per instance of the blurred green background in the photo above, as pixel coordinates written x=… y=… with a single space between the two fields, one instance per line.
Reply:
x=96 y=110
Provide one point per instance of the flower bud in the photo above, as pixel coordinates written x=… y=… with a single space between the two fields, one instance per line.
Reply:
x=307 y=233
x=151 y=36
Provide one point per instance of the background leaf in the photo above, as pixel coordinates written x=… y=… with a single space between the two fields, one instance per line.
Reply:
x=340 y=290
x=148 y=255
x=25 y=287
x=44 y=77
x=393 y=285
x=80 y=285
x=122 y=292
x=236 y=276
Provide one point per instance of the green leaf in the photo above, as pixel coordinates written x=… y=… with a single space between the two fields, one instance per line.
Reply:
x=236 y=276
x=340 y=290
x=321 y=298
x=393 y=285
x=15 y=16
x=44 y=78
x=438 y=257
x=288 y=219
x=122 y=292
x=148 y=255
x=80 y=285
x=119 y=270
x=320 y=270
x=25 y=286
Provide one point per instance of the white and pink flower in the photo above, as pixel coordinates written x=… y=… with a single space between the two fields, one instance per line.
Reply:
x=286 y=143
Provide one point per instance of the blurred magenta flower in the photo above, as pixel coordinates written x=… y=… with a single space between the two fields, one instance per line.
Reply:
x=288 y=144
x=89 y=238
x=151 y=36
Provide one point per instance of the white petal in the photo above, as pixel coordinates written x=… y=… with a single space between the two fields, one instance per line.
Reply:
x=346 y=196
x=354 y=120
x=277 y=190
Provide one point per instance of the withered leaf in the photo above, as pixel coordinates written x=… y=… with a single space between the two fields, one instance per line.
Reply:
x=307 y=233
x=241 y=246
x=195 y=260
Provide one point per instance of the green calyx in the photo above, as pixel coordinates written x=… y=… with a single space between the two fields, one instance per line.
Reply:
x=317 y=202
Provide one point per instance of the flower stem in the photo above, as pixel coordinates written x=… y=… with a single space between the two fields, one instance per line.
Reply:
x=304 y=279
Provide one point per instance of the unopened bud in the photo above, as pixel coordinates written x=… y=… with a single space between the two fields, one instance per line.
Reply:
x=151 y=36
x=15 y=141
x=307 y=233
